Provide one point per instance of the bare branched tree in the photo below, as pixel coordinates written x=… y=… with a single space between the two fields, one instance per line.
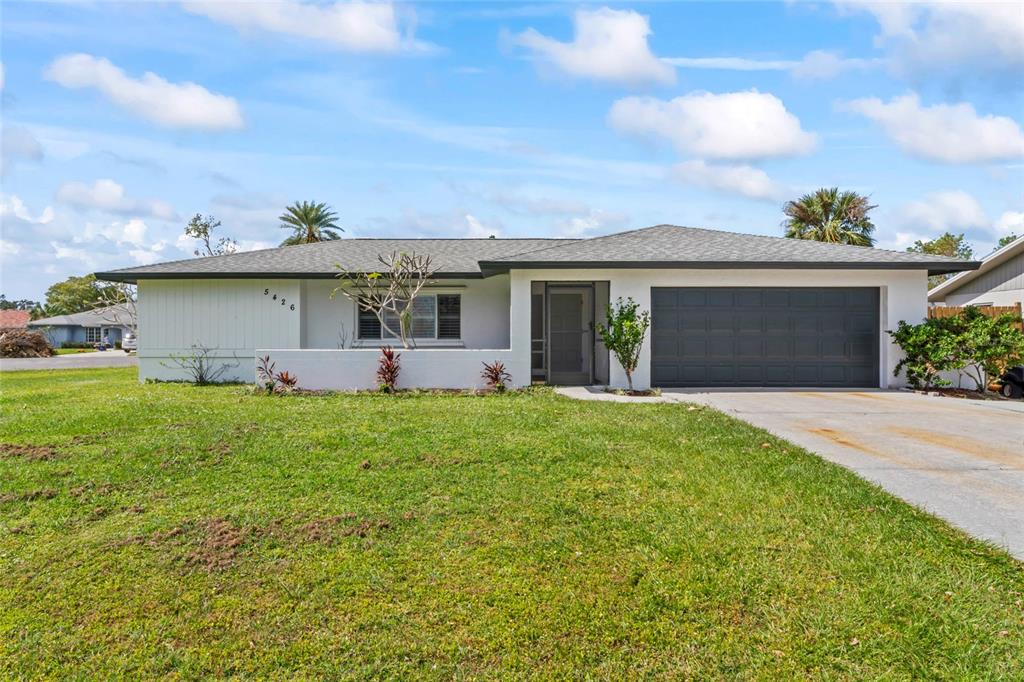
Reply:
x=119 y=305
x=389 y=294
x=202 y=229
x=201 y=365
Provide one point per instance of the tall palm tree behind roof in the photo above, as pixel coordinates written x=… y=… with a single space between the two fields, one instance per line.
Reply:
x=829 y=215
x=309 y=222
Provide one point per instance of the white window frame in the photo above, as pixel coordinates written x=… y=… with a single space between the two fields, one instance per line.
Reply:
x=420 y=341
x=89 y=331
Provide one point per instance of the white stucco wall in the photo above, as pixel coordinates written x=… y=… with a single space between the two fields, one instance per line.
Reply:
x=356 y=369
x=902 y=297
x=485 y=317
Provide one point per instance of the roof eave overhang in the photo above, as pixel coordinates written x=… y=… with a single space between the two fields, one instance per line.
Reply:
x=134 y=277
x=497 y=267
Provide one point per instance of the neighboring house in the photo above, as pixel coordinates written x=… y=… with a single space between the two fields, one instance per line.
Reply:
x=14 y=318
x=998 y=282
x=727 y=310
x=90 y=326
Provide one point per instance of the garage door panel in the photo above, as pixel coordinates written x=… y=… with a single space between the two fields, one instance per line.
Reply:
x=862 y=298
x=750 y=322
x=720 y=322
x=720 y=298
x=861 y=323
x=669 y=298
x=753 y=298
x=776 y=336
x=778 y=348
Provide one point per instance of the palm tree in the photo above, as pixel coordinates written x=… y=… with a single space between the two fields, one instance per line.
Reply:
x=309 y=222
x=829 y=215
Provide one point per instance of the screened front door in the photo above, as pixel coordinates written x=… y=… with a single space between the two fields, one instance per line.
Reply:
x=570 y=335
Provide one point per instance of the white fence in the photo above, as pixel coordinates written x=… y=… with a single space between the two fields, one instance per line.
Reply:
x=356 y=369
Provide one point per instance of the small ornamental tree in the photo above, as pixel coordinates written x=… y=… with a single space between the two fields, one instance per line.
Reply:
x=390 y=293
x=970 y=343
x=624 y=333
x=991 y=344
x=928 y=349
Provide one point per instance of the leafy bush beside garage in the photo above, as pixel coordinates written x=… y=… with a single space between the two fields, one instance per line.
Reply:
x=971 y=343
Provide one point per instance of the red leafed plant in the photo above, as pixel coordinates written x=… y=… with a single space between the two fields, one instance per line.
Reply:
x=287 y=381
x=274 y=382
x=496 y=375
x=387 y=369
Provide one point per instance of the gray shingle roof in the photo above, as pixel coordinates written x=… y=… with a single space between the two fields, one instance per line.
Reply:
x=674 y=246
x=661 y=246
x=451 y=258
x=110 y=316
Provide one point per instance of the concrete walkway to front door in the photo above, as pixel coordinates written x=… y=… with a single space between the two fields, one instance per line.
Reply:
x=962 y=460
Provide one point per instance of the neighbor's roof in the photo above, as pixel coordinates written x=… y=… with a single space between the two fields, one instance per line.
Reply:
x=451 y=257
x=109 y=316
x=14 y=318
x=671 y=246
x=663 y=246
x=993 y=260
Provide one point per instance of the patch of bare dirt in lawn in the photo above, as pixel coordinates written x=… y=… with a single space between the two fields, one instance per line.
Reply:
x=31 y=453
x=218 y=545
x=332 y=528
x=29 y=496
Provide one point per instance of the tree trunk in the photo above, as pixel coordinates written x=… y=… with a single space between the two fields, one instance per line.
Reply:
x=629 y=380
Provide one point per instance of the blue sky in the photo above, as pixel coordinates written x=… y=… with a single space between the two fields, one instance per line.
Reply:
x=468 y=119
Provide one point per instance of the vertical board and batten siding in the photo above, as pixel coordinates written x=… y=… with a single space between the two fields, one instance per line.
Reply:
x=231 y=317
x=1003 y=285
x=1006 y=276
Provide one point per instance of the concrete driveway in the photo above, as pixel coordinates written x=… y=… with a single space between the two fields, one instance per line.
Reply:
x=109 y=358
x=962 y=460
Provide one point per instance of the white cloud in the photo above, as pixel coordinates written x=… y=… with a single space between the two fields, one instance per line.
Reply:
x=746 y=180
x=107 y=195
x=821 y=64
x=351 y=26
x=594 y=222
x=18 y=144
x=818 y=64
x=958 y=38
x=8 y=249
x=608 y=45
x=733 y=125
x=477 y=230
x=1010 y=222
x=952 y=211
x=12 y=206
x=172 y=105
x=949 y=211
x=950 y=133
x=130 y=232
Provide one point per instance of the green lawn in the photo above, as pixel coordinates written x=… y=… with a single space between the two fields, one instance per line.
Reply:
x=169 y=530
x=73 y=351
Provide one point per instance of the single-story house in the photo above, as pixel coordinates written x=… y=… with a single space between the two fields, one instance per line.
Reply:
x=14 y=319
x=91 y=326
x=727 y=309
x=999 y=281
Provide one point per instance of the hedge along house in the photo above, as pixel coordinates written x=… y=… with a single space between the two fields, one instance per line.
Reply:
x=727 y=310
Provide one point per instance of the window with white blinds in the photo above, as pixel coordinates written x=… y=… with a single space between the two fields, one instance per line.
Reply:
x=434 y=316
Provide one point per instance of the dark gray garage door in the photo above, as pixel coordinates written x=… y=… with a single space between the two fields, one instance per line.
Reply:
x=764 y=337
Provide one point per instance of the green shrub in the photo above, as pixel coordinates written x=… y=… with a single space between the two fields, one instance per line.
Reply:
x=75 y=344
x=624 y=335
x=970 y=343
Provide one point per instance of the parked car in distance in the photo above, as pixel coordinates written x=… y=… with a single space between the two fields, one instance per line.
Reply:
x=1012 y=382
x=129 y=342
